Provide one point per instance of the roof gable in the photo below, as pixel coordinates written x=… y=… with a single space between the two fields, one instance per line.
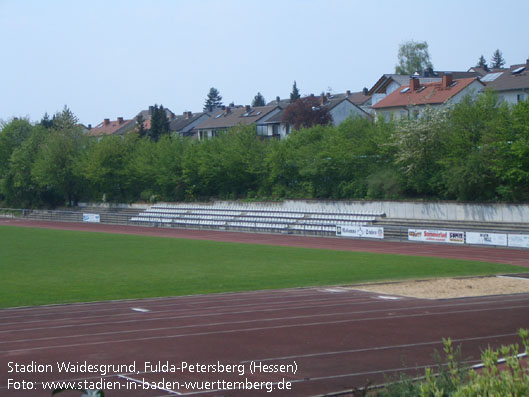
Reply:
x=515 y=78
x=233 y=116
x=108 y=127
x=426 y=94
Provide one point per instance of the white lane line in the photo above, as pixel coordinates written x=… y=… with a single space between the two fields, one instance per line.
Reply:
x=150 y=385
x=515 y=278
x=178 y=301
x=393 y=309
x=375 y=348
x=233 y=331
x=387 y=297
x=139 y=309
x=248 y=321
x=192 y=309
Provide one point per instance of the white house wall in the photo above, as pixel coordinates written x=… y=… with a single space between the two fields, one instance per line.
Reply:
x=344 y=110
x=511 y=97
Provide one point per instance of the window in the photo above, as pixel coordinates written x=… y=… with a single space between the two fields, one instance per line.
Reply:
x=262 y=130
x=520 y=98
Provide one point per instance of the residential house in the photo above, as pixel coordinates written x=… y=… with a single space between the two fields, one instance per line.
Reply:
x=340 y=107
x=185 y=125
x=411 y=100
x=389 y=83
x=512 y=85
x=232 y=116
x=114 y=127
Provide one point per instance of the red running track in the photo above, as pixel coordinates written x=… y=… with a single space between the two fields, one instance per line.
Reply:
x=334 y=339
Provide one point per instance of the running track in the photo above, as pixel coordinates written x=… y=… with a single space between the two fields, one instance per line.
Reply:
x=336 y=338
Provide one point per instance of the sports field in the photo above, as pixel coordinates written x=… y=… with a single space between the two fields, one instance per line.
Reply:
x=41 y=266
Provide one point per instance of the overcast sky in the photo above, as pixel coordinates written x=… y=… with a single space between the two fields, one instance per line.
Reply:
x=113 y=58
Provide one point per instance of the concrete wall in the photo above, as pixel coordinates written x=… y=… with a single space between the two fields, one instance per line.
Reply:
x=451 y=211
x=411 y=210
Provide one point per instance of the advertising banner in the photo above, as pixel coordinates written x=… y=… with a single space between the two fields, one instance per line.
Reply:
x=359 y=231
x=91 y=218
x=486 y=238
x=437 y=236
x=518 y=240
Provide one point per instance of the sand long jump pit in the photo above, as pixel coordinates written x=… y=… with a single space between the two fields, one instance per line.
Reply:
x=449 y=288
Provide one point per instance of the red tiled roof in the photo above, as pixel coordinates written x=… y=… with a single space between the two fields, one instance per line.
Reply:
x=427 y=94
x=111 y=128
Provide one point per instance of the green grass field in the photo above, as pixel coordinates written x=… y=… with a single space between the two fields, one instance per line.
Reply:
x=39 y=266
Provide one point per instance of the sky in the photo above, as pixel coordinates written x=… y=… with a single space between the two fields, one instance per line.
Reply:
x=110 y=58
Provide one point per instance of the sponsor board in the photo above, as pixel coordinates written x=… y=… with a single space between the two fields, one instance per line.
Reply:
x=483 y=238
x=518 y=240
x=437 y=236
x=91 y=218
x=359 y=231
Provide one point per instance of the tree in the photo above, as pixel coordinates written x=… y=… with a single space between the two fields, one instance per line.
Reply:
x=482 y=63
x=55 y=167
x=159 y=123
x=213 y=100
x=413 y=57
x=140 y=125
x=65 y=119
x=497 y=61
x=418 y=145
x=46 y=122
x=258 y=100
x=305 y=113
x=294 y=95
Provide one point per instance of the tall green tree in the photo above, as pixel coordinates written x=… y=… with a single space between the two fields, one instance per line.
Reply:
x=140 y=126
x=418 y=147
x=497 y=60
x=213 y=100
x=258 y=100
x=65 y=119
x=56 y=164
x=159 y=123
x=482 y=63
x=106 y=168
x=46 y=122
x=413 y=56
x=294 y=95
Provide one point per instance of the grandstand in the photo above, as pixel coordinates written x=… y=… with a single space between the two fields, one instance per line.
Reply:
x=302 y=217
x=253 y=217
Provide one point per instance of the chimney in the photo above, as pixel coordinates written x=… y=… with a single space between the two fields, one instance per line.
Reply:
x=189 y=115
x=120 y=120
x=348 y=93
x=322 y=99
x=365 y=91
x=279 y=99
x=89 y=126
x=447 y=80
x=227 y=110
x=247 y=108
x=328 y=95
x=106 y=122
x=414 y=84
x=527 y=63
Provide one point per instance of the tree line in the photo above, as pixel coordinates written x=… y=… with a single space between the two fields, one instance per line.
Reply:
x=476 y=151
